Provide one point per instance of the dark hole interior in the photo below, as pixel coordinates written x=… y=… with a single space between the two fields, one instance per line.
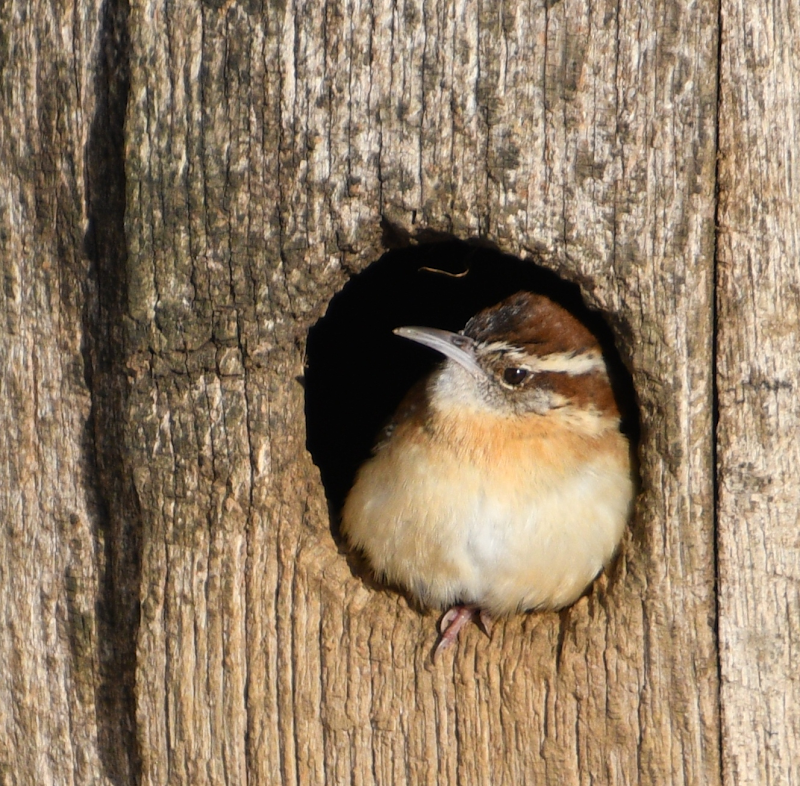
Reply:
x=358 y=371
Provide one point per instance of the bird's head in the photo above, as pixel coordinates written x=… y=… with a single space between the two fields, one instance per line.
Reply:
x=526 y=355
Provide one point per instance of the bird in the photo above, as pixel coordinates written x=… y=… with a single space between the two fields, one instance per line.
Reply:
x=503 y=483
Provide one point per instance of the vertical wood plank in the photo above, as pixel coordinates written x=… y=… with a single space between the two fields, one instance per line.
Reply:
x=65 y=715
x=264 y=146
x=758 y=379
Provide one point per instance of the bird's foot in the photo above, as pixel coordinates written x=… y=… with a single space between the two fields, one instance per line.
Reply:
x=455 y=619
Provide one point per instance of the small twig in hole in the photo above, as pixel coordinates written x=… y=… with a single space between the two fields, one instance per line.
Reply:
x=444 y=272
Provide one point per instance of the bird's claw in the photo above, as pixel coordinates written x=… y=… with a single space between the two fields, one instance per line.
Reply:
x=455 y=619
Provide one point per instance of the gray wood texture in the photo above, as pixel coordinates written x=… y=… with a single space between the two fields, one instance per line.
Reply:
x=758 y=379
x=183 y=189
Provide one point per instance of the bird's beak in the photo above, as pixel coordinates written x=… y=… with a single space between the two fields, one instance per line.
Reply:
x=452 y=345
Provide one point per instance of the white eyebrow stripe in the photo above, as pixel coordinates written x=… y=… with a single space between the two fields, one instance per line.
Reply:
x=557 y=362
x=500 y=346
x=566 y=363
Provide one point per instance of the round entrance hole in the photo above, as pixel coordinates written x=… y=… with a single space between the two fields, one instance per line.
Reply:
x=358 y=371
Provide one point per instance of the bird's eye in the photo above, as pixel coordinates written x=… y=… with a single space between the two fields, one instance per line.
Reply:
x=515 y=376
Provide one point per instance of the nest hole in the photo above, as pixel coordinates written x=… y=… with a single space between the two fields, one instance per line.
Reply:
x=358 y=371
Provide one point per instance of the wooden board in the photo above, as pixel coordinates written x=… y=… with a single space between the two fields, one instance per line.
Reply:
x=264 y=149
x=185 y=188
x=758 y=376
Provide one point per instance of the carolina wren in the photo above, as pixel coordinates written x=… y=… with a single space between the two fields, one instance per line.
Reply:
x=503 y=482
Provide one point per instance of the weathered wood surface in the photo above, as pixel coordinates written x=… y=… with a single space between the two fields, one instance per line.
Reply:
x=63 y=716
x=759 y=380
x=174 y=606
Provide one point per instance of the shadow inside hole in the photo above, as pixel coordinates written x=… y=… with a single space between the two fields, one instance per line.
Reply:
x=358 y=371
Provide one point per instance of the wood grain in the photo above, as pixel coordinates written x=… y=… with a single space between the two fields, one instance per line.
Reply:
x=758 y=378
x=264 y=147
x=186 y=186
x=57 y=709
